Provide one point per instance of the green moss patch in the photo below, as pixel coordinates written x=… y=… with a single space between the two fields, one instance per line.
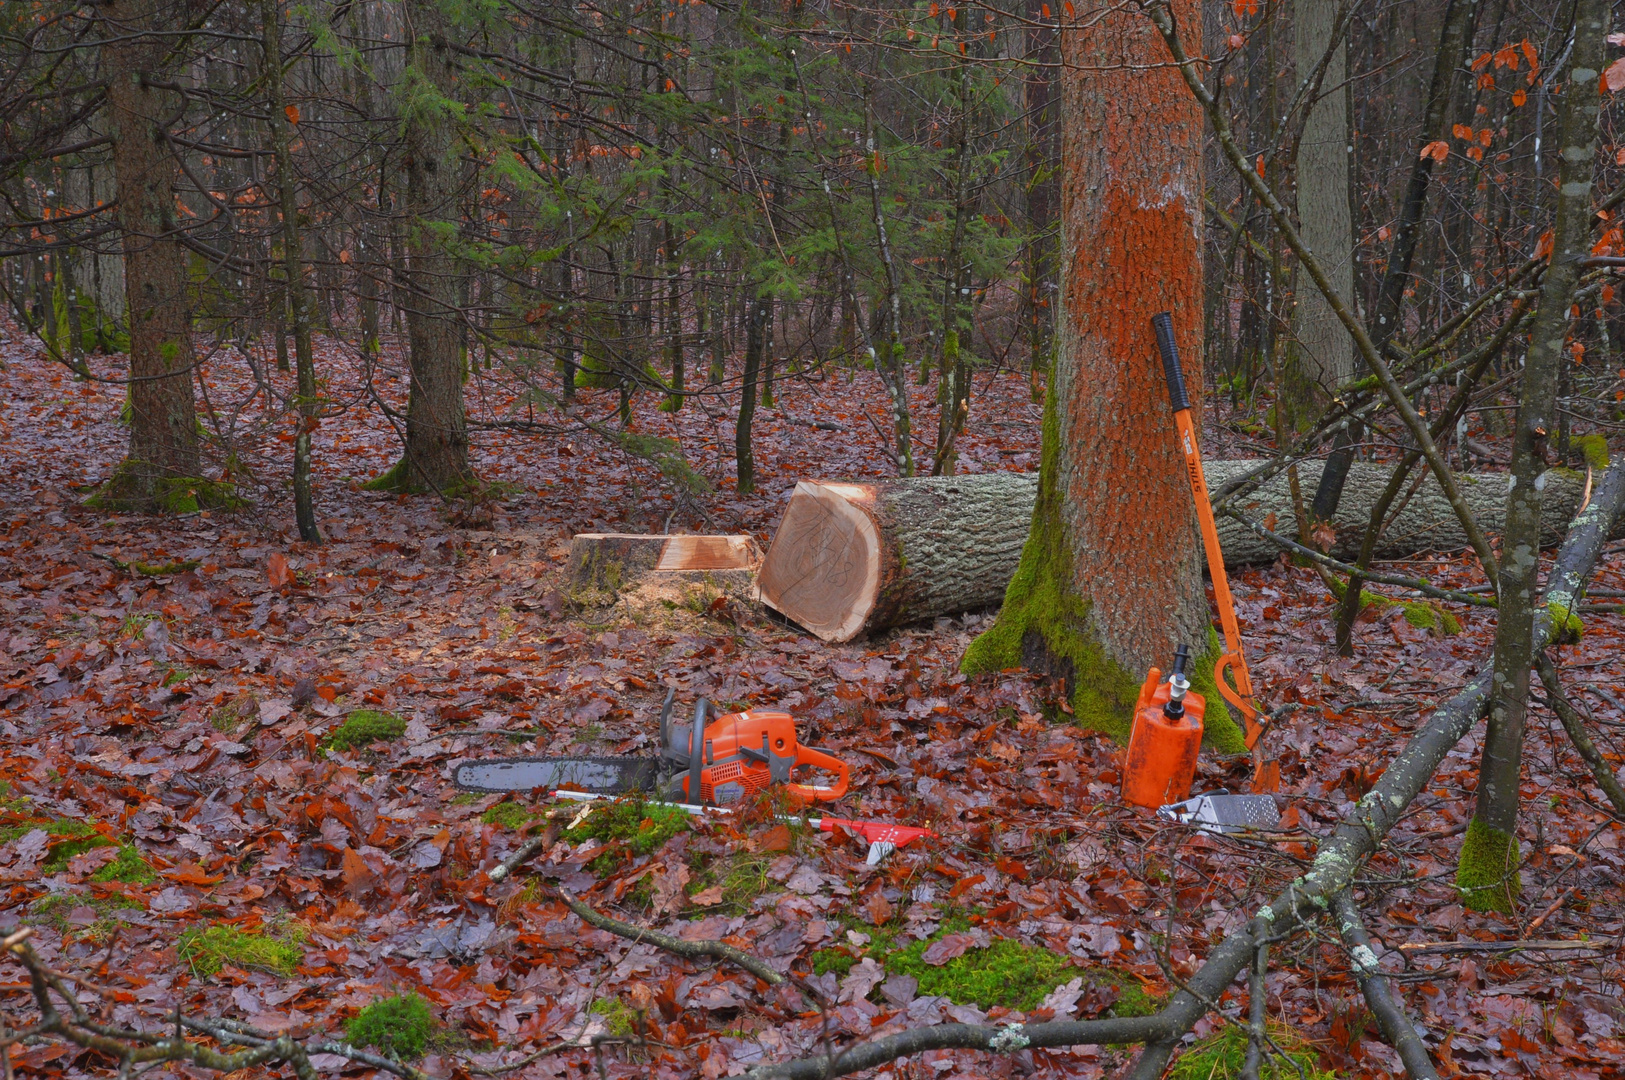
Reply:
x=129 y=867
x=81 y=837
x=1567 y=629
x=1422 y=614
x=1594 y=448
x=235 y=713
x=619 y=1018
x=1045 y=626
x=742 y=875
x=627 y=829
x=70 y=838
x=1487 y=875
x=1222 y=1054
x=401 y=1026
x=397 y=480
x=205 y=950
x=54 y=909
x=131 y=488
x=402 y=479
x=365 y=727
x=508 y=814
x=1005 y=973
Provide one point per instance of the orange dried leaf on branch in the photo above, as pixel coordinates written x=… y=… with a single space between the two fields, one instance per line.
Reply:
x=1438 y=150
x=292 y=113
x=1614 y=77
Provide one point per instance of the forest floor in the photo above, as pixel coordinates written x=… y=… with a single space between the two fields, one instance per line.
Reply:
x=238 y=865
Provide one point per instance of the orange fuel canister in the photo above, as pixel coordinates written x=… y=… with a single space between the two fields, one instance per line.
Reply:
x=1167 y=735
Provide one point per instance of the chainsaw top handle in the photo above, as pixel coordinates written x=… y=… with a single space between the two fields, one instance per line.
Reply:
x=1163 y=324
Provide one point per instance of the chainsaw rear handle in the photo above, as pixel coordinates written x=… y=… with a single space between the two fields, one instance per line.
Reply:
x=806 y=755
x=1163 y=324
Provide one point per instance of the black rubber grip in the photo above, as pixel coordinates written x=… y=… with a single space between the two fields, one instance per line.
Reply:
x=1164 y=326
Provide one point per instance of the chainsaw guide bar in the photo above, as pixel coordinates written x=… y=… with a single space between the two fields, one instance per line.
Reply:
x=601 y=775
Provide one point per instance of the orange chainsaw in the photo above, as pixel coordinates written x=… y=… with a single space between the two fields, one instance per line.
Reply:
x=1266 y=774
x=732 y=757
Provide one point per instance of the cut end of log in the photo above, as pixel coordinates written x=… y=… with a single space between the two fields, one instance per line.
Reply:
x=823 y=569
x=612 y=561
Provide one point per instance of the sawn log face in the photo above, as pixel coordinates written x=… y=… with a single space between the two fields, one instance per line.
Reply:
x=852 y=558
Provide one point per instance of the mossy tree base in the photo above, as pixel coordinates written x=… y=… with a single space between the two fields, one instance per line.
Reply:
x=1044 y=626
x=403 y=479
x=1487 y=875
x=138 y=488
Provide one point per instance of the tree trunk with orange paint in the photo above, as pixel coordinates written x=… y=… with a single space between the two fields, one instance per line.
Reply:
x=1110 y=579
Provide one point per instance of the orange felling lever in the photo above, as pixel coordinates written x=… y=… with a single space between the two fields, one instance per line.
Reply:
x=1266 y=774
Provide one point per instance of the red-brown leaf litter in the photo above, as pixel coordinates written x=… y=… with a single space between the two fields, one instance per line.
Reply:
x=185 y=714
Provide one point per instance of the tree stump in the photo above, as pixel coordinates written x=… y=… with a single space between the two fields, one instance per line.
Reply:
x=612 y=561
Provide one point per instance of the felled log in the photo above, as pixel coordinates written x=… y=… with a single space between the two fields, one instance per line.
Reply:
x=1425 y=522
x=851 y=559
x=613 y=561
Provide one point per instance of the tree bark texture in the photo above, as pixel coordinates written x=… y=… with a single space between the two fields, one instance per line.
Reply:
x=436 y=424
x=163 y=416
x=1325 y=353
x=1489 y=856
x=1110 y=580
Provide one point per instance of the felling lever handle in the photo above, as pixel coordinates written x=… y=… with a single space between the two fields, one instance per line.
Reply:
x=806 y=755
x=1231 y=660
x=1177 y=395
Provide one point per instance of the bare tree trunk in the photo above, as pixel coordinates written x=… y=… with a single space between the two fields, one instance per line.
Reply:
x=1455 y=47
x=436 y=454
x=163 y=416
x=953 y=370
x=294 y=273
x=1110 y=580
x=889 y=365
x=1042 y=152
x=756 y=333
x=674 y=319
x=1488 y=871
x=1324 y=355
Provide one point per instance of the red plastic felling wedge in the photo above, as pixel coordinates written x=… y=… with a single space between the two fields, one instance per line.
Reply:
x=883 y=837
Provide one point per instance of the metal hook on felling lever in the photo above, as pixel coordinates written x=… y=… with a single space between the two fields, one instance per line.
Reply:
x=1266 y=773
